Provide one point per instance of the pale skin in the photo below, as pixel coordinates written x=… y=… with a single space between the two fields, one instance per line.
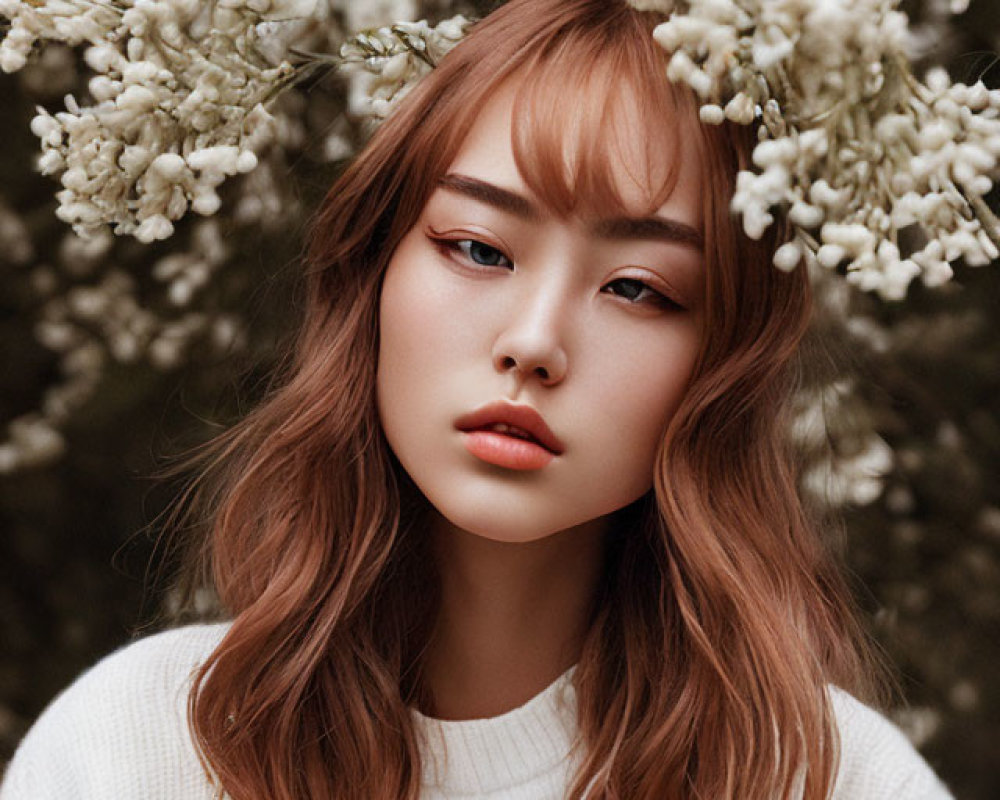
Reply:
x=547 y=312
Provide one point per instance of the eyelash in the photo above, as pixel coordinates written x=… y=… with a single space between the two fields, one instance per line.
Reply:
x=455 y=246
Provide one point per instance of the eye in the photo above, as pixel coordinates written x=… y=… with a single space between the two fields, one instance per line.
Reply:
x=477 y=252
x=639 y=293
x=482 y=253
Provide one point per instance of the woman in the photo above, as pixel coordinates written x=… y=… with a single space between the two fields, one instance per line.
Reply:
x=520 y=521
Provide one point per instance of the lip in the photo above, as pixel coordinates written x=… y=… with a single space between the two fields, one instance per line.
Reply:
x=520 y=416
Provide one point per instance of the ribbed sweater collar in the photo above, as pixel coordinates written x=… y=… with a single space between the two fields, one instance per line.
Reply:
x=486 y=755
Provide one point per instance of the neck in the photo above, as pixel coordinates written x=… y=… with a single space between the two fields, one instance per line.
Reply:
x=513 y=615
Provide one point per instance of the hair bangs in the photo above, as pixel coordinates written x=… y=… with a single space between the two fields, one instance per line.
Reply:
x=593 y=106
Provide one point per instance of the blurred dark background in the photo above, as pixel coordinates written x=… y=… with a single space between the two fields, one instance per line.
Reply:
x=913 y=421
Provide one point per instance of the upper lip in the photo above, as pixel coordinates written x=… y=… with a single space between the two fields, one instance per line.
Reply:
x=520 y=416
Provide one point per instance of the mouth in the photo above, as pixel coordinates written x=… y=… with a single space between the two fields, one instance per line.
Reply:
x=512 y=430
x=508 y=435
x=506 y=450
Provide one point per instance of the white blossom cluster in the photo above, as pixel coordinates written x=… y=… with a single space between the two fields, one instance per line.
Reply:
x=396 y=57
x=98 y=306
x=108 y=313
x=852 y=146
x=93 y=316
x=855 y=472
x=374 y=13
x=180 y=95
x=65 y=21
x=15 y=241
x=31 y=442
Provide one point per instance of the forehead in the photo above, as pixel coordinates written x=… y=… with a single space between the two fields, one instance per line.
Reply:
x=584 y=155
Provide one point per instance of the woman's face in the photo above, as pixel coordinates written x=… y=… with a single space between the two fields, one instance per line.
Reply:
x=593 y=323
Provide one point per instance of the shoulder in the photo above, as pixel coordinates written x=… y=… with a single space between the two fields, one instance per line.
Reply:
x=120 y=730
x=148 y=674
x=877 y=760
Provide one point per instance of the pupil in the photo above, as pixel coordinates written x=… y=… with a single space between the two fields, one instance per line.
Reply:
x=484 y=254
x=633 y=288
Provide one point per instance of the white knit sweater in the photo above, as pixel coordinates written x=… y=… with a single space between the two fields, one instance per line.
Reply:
x=120 y=733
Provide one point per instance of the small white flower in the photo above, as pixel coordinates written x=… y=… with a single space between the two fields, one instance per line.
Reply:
x=768 y=54
x=712 y=114
x=206 y=202
x=46 y=128
x=830 y=255
x=154 y=228
x=33 y=441
x=169 y=166
x=755 y=221
x=788 y=256
x=805 y=215
x=15 y=241
x=823 y=194
x=774 y=152
x=741 y=109
x=12 y=60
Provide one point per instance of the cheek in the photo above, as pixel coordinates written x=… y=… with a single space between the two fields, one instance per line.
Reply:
x=421 y=314
x=666 y=381
x=422 y=332
x=407 y=305
x=638 y=396
x=405 y=340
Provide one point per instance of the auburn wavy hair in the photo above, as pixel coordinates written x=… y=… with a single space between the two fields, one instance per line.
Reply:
x=721 y=617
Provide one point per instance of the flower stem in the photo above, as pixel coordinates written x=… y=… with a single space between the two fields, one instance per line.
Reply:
x=987 y=218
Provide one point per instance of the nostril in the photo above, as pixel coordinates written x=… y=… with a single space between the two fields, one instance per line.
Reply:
x=510 y=362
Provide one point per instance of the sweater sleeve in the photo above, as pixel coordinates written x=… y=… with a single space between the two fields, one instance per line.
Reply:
x=877 y=761
x=120 y=730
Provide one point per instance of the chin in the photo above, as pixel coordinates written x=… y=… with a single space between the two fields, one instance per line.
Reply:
x=499 y=522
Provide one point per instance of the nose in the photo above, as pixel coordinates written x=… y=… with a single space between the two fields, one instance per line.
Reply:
x=531 y=344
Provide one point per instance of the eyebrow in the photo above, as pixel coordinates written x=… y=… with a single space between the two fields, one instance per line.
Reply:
x=656 y=228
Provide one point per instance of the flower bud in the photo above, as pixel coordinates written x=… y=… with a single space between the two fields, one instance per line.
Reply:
x=830 y=255
x=774 y=151
x=136 y=98
x=711 y=114
x=170 y=166
x=45 y=127
x=740 y=109
x=154 y=228
x=805 y=215
x=788 y=256
x=206 y=202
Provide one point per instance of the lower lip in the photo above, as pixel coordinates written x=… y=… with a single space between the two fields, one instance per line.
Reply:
x=506 y=451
